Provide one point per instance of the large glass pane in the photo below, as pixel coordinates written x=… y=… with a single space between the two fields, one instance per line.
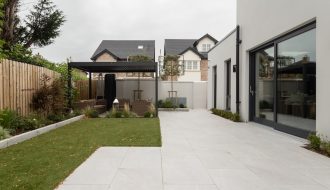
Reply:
x=296 y=94
x=264 y=97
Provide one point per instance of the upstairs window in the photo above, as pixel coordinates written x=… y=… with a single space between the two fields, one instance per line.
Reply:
x=206 y=47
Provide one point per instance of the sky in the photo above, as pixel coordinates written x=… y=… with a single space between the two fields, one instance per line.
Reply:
x=88 y=22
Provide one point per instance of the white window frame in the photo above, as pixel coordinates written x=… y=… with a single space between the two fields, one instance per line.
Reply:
x=192 y=65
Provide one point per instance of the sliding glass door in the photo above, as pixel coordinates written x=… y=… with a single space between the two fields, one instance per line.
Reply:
x=283 y=83
x=296 y=81
x=264 y=84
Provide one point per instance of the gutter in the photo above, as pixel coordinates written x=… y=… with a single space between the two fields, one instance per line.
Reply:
x=238 y=42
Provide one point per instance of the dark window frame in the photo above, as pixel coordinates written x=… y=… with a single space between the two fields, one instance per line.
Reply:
x=274 y=43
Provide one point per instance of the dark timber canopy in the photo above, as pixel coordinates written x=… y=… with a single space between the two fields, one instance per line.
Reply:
x=112 y=67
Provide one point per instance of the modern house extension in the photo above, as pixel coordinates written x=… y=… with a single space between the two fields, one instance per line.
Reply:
x=193 y=53
x=122 y=50
x=274 y=67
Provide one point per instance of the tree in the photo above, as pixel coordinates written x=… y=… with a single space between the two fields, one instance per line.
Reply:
x=172 y=68
x=10 y=21
x=40 y=28
x=143 y=59
x=42 y=25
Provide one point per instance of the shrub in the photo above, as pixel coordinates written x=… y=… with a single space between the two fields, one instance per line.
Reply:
x=160 y=103
x=76 y=112
x=226 y=114
x=314 y=142
x=182 y=106
x=168 y=104
x=56 y=117
x=49 y=98
x=90 y=113
x=31 y=122
x=4 y=133
x=8 y=118
x=148 y=114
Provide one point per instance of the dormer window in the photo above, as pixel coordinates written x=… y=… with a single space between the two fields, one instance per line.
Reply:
x=206 y=47
x=140 y=47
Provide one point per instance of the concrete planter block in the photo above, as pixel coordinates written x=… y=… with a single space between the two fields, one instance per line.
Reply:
x=28 y=135
x=3 y=144
x=172 y=109
x=22 y=137
x=46 y=129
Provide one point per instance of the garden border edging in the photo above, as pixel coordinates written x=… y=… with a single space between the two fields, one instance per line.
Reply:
x=28 y=135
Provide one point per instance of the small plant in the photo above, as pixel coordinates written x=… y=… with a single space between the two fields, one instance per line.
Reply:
x=182 y=106
x=91 y=113
x=126 y=111
x=4 y=133
x=148 y=114
x=314 y=142
x=119 y=114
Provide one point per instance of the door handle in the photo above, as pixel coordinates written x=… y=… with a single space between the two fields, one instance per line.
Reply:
x=251 y=91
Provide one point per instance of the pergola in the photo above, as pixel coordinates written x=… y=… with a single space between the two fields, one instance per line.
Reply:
x=112 y=67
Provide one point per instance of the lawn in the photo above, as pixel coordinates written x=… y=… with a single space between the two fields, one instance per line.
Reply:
x=45 y=161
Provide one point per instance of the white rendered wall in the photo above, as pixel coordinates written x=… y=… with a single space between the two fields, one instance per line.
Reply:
x=190 y=75
x=195 y=92
x=261 y=21
x=217 y=57
x=204 y=41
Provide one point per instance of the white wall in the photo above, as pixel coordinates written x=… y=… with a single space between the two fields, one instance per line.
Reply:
x=261 y=21
x=190 y=75
x=222 y=52
x=204 y=41
x=195 y=92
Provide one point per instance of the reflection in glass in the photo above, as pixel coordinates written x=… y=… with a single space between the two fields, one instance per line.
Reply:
x=264 y=84
x=296 y=90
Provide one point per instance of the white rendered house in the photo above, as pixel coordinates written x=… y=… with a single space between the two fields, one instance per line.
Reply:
x=274 y=67
x=193 y=53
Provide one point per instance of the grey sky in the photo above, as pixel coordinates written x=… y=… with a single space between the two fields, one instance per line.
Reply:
x=91 y=21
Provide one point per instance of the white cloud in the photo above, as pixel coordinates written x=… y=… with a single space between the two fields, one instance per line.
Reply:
x=89 y=22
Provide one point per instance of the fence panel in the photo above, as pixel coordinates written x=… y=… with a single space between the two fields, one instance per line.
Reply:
x=18 y=82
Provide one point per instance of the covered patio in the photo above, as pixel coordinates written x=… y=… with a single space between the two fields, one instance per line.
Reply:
x=111 y=67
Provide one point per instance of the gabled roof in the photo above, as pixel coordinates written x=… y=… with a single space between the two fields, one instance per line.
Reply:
x=193 y=50
x=121 y=49
x=206 y=36
x=177 y=46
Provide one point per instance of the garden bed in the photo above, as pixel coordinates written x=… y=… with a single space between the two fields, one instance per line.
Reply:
x=28 y=135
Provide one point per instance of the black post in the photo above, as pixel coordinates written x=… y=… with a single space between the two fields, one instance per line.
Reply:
x=90 y=85
x=238 y=42
x=69 y=95
x=156 y=90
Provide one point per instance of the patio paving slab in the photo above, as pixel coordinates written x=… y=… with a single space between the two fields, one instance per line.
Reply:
x=202 y=151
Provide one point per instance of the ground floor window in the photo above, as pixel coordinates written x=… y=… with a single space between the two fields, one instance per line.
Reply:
x=283 y=82
x=192 y=65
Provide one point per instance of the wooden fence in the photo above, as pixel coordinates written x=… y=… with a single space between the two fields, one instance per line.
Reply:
x=83 y=89
x=18 y=82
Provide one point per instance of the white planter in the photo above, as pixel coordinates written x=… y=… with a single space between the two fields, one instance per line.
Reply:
x=172 y=109
x=28 y=135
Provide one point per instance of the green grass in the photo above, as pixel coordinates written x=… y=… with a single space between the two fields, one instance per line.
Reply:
x=45 y=161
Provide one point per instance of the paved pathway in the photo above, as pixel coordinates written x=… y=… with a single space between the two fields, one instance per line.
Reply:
x=205 y=152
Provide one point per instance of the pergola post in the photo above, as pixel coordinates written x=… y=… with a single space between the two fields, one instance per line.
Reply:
x=90 y=86
x=69 y=92
x=156 y=89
